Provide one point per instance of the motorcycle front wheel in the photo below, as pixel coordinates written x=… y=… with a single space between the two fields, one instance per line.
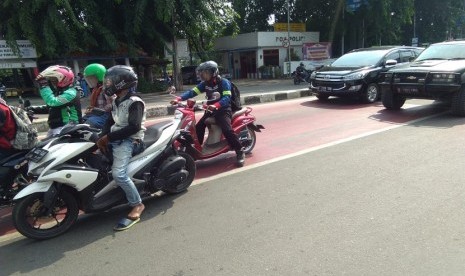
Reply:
x=30 y=216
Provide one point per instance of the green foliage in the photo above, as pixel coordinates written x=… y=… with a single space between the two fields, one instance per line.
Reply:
x=145 y=86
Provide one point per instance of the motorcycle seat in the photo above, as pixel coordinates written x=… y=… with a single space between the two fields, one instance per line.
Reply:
x=212 y=121
x=153 y=132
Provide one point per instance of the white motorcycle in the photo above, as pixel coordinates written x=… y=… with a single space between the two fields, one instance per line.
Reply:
x=71 y=176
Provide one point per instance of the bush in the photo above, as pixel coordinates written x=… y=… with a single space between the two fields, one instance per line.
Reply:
x=147 y=87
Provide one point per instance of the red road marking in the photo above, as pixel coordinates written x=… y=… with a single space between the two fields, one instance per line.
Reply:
x=295 y=125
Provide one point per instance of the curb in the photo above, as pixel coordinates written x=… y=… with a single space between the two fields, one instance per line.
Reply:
x=165 y=110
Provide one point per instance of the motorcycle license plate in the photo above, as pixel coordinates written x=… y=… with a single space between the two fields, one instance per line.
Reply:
x=36 y=154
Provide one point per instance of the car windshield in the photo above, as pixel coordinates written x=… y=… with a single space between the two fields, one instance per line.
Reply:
x=443 y=51
x=359 y=59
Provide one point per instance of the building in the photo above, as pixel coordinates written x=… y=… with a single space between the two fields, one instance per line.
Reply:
x=244 y=54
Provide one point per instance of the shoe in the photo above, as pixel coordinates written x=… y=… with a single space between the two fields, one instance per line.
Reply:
x=240 y=158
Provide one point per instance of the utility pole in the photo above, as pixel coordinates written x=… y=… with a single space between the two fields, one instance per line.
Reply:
x=289 y=41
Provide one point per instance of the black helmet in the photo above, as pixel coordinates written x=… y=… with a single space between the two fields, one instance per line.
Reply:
x=210 y=66
x=117 y=78
x=301 y=64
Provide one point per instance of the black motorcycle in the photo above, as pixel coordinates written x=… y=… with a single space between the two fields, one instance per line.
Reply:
x=301 y=76
x=13 y=169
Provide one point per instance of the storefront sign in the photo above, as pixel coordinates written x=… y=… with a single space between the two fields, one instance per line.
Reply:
x=293 y=27
x=17 y=63
x=26 y=50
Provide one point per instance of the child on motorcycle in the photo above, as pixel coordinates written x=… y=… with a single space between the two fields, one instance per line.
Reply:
x=100 y=104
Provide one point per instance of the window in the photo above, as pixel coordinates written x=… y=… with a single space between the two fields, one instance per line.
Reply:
x=271 y=57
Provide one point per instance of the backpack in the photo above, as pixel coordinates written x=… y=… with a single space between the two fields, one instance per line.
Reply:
x=235 y=97
x=26 y=132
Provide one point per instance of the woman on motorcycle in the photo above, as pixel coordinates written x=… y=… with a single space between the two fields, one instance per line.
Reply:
x=100 y=104
x=62 y=102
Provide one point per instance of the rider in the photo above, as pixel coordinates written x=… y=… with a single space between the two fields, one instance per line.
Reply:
x=62 y=102
x=7 y=130
x=123 y=134
x=220 y=108
x=100 y=104
x=301 y=71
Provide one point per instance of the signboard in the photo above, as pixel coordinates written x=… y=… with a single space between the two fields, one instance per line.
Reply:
x=415 y=41
x=293 y=27
x=17 y=63
x=316 y=51
x=353 y=5
x=26 y=50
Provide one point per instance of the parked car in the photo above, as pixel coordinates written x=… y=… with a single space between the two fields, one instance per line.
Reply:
x=357 y=72
x=189 y=75
x=437 y=74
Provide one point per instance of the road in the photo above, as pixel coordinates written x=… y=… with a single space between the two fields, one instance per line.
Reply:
x=331 y=188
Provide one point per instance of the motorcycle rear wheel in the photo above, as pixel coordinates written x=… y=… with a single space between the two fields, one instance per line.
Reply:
x=30 y=220
x=251 y=140
x=191 y=168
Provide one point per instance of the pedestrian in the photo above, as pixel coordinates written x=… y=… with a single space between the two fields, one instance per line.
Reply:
x=219 y=108
x=62 y=102
x=123 y=134
x=99 y=109
x=83 y=84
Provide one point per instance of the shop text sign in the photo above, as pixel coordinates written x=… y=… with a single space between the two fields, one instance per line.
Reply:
x=26 y=50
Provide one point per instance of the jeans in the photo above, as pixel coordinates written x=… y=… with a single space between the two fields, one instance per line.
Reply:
x=122 y=152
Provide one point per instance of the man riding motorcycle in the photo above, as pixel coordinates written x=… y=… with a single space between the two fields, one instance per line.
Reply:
x=220 y=108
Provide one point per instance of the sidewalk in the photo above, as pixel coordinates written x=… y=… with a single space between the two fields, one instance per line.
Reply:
x=158 y=103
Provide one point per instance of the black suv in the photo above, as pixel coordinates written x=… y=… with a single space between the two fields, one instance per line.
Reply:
x=357 y=72
x=437 y=74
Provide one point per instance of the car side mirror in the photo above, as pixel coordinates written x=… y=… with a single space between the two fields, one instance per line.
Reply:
x=390 y=62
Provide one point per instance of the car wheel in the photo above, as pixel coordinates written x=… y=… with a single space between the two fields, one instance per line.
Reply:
x=391 y=101
x=458 y=102
x=371 y=93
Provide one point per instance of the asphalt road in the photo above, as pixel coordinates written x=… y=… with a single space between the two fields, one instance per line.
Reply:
x=361 y=192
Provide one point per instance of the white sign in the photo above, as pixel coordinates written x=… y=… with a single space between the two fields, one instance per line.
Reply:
x=17 y=63
x=26 y=50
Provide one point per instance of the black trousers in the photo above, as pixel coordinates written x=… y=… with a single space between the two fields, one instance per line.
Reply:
x=223 y=119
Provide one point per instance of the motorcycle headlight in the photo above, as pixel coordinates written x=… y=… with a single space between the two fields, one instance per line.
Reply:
x=355 y=76
x=443 y=78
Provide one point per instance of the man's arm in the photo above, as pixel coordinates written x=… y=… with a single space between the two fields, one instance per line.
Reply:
x=66 y=97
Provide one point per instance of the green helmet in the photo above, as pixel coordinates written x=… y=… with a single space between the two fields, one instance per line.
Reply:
x=95 y=69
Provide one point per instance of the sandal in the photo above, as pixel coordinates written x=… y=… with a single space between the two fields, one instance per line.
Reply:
x=125 y=223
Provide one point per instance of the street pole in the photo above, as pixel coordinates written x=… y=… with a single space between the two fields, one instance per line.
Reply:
x=289 y=42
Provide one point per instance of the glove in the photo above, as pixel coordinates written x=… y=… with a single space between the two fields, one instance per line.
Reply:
x=176 y=101
x=41 y=81
x=211 y=108
x=102 y=144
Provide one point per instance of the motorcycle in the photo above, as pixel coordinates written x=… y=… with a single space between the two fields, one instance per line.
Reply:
x=243 y=124
x=13 y=169
x=301 y=76
x=71 y=175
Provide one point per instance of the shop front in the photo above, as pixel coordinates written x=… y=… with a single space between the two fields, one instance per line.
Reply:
x=247 y=55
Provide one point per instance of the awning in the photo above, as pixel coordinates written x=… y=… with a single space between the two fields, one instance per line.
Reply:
x=17 y=63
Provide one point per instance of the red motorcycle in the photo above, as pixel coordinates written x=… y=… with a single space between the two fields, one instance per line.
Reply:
x=243 y=124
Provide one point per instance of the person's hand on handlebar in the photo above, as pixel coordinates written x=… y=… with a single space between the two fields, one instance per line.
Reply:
x=175 y=101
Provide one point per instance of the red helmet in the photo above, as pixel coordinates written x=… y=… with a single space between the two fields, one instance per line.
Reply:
x=63 y=74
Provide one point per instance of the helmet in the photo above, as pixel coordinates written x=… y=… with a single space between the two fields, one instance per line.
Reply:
x=210 y=66
x=95 y=69
x=118 y=78
x=301 y=64
x=63 y=74
x=94 y=73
